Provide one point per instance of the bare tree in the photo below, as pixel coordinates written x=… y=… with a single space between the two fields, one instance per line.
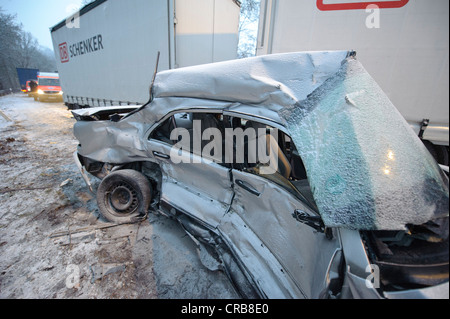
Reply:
x=28 y=48
x=248 y=28
x=44 y=60
x=9 y=49
x=19 y=49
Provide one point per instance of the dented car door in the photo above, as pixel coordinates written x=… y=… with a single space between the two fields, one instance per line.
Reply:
x=304 y=253
x=283 y=219
x=198 y=187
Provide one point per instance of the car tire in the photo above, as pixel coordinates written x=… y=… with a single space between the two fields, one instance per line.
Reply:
x=124 y=196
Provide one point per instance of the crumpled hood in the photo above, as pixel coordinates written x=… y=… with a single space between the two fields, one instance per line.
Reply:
x=366 y=167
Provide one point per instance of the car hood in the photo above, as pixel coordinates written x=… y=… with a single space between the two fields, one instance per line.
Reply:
x=366 y=167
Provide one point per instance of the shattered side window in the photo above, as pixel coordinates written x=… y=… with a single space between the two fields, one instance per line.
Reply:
x=196 y=133
x=208 y=136
x=278 y=161
x=366 y=167
x=162 y=132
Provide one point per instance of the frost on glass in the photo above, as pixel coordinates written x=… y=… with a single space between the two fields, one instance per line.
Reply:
x=366 y=167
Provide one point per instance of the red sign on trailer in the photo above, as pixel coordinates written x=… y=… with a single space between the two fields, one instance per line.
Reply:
x=63 y=53
x=321 y=5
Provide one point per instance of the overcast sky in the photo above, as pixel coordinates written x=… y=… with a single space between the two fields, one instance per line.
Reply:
x=38 y=16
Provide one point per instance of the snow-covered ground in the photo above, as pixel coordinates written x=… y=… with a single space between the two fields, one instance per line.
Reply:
x=54 y=244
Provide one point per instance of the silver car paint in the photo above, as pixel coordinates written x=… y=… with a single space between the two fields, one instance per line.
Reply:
x=206 y=89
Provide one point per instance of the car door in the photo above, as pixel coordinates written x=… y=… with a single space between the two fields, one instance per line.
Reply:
x=269 y=205
x=198 y=187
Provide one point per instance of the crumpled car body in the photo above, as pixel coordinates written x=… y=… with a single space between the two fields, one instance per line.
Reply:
x=354 y=206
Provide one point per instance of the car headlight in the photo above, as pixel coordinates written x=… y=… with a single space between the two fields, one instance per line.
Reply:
x=40 y=91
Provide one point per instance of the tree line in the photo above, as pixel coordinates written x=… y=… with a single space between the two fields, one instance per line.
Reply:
x=19 y=49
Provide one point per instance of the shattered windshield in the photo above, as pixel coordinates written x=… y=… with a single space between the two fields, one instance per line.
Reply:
x=366 y=167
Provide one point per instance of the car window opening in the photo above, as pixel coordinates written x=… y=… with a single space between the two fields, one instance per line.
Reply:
x=290 y=172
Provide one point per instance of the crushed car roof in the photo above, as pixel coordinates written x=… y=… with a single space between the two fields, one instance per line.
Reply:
x=278 y=79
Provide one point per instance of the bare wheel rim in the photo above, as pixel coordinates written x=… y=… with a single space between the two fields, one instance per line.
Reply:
x=122 y=199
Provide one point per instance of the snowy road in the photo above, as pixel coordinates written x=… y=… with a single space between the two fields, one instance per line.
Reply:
x=53 y=244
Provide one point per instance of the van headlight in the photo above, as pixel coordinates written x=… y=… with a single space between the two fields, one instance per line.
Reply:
x=60 y=93
x=39 y=91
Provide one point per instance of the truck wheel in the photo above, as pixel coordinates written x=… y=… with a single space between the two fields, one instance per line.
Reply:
x=123 y=196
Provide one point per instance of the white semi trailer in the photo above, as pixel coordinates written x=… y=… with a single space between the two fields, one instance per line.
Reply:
x=106 y=53
x=403 y=44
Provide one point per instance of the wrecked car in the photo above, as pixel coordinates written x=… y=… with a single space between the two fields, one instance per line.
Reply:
x=293 y=173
